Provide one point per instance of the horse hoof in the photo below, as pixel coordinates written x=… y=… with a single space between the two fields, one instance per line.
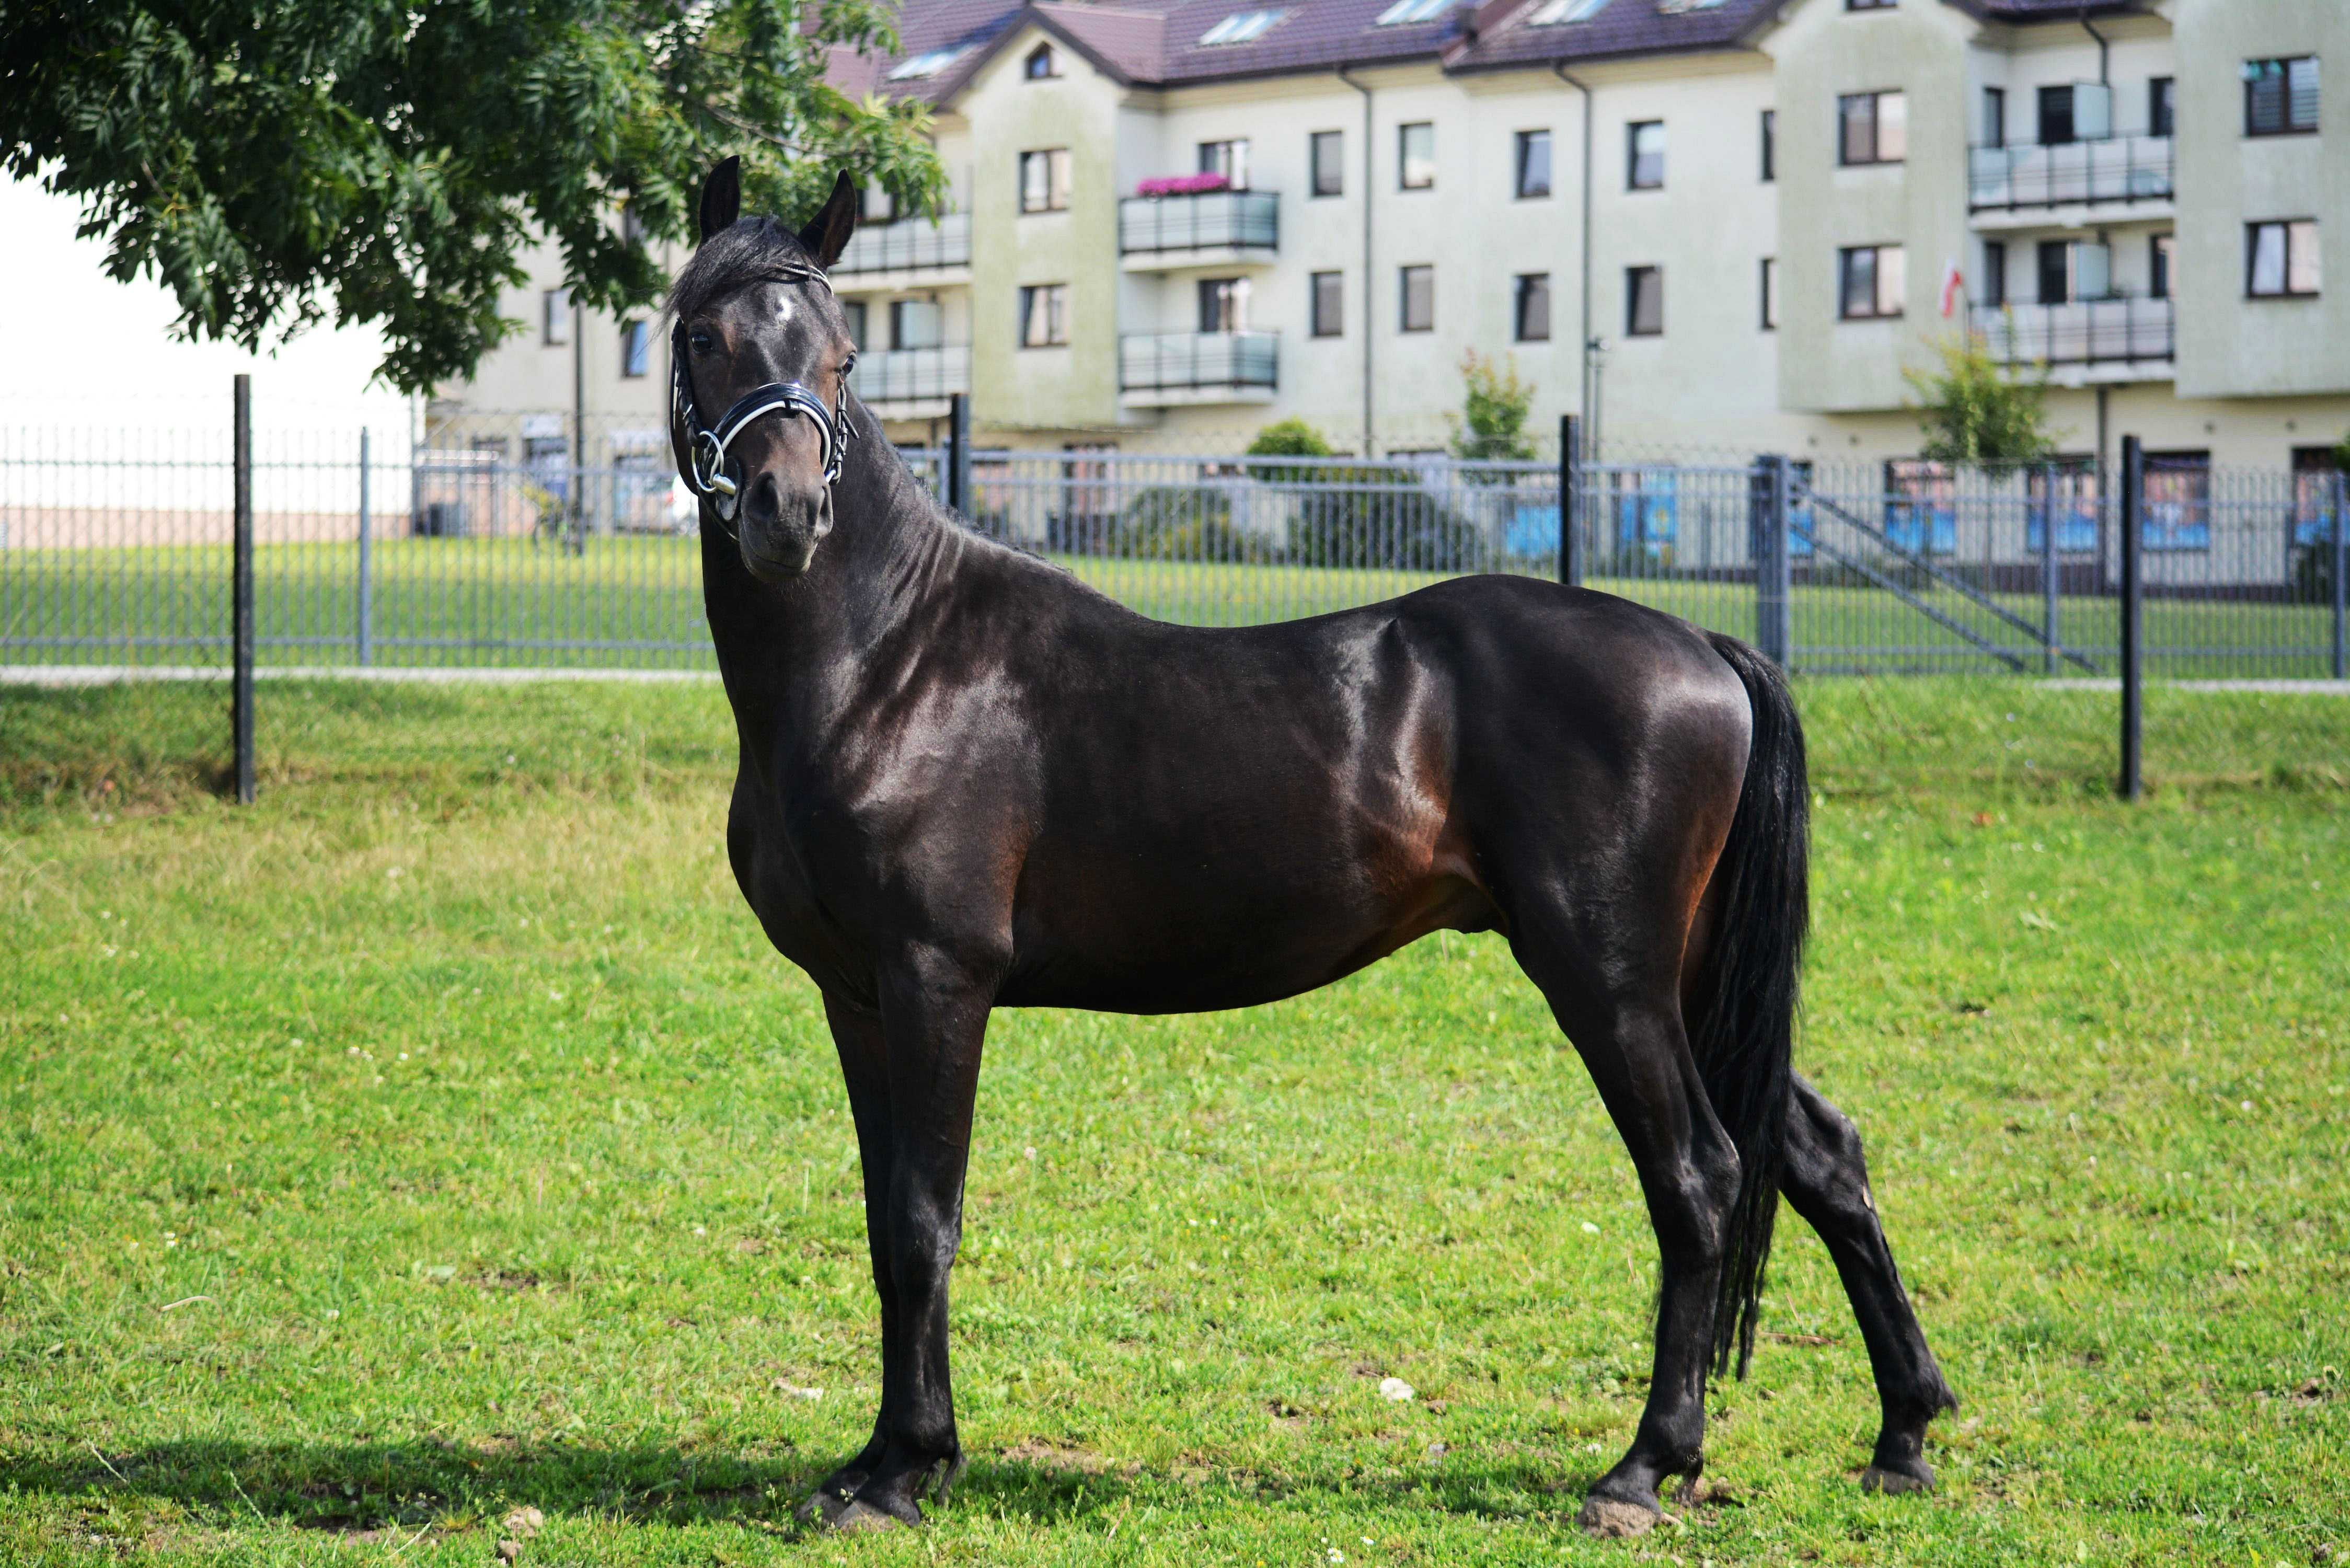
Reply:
x=861 y=1518
x=1892 y=1483
x=1609 y=1520
x=824 y=1506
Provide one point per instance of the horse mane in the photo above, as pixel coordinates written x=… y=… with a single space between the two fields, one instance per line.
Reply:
x=751 y=250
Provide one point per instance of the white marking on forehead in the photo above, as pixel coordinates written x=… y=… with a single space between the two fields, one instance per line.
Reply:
x=784 y=311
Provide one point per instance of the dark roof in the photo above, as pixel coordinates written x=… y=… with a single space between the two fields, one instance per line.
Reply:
x=1156 y=42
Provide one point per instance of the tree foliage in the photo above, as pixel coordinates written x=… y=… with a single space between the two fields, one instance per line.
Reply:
x=278 y=163
x=1973 y=411
x=1495 y=402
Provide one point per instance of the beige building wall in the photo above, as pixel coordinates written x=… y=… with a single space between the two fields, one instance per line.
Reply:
x=2253 y=378
x=2231 y=346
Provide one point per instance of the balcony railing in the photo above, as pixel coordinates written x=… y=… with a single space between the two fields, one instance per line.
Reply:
x=1198 y=361
x=2085 y=332
x=912 y=375
x=910 y=245
x=1209 y=220
x=2118 y=169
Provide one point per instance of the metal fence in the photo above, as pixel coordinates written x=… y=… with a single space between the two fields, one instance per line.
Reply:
x=492 y=544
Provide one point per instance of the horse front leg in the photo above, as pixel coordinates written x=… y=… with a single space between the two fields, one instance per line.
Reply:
x=865 y=1067
x=1826 y=1182
x=933 y=1023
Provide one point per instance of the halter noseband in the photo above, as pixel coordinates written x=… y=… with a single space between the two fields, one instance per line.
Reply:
x=705 y=445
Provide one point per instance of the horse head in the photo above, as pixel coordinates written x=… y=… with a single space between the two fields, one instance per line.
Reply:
x=759 y=335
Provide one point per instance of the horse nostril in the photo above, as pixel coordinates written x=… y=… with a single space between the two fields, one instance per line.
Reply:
x=765 y=502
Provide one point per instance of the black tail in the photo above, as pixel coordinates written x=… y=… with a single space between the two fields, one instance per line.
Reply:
x=1743 y=1043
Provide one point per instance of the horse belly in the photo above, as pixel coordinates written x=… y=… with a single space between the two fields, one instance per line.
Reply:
x=1180 y=932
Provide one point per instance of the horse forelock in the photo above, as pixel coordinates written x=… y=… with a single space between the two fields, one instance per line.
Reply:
x=755 y=250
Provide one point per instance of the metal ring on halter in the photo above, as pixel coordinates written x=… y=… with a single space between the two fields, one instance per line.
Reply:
x=705 y=467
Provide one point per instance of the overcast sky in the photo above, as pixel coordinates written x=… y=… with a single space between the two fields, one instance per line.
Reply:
x=83 y=348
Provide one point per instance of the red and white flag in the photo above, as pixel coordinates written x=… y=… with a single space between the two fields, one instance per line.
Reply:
x=1954 y=284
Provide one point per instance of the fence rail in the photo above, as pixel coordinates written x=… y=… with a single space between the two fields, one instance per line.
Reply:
x=486 y=544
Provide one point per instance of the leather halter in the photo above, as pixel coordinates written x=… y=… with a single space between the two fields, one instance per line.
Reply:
x=705 y=445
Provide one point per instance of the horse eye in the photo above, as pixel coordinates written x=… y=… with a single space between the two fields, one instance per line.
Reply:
x=700 y=342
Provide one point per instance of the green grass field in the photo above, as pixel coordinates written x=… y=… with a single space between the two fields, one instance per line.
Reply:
x=637 y=602
x=438 y=1139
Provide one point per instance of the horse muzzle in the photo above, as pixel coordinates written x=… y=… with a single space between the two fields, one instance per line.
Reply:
x=779 y=526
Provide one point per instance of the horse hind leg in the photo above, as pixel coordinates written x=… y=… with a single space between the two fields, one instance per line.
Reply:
x=1826 y=1180
x=1638 y=1056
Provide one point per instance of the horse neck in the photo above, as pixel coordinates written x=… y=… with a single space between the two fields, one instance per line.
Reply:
x=793 y=653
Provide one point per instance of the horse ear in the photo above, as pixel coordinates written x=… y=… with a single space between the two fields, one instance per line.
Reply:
x=826 y=235
x=722 y=197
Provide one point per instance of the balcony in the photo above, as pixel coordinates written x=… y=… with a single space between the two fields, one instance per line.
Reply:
x=2086 y=341
x=913 y=383
x=912 y=252
x=2010 y=187
x=1208 y=229
x=1180 y=370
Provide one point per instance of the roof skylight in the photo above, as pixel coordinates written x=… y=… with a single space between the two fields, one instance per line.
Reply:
x=1551 y=12
x=927 y=64
x=1242 y=28
x=1405 y=11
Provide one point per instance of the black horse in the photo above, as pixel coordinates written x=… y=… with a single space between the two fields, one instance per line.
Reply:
x=968 y=781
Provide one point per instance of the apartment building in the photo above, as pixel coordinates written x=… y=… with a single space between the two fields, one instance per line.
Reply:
x=1716 y=224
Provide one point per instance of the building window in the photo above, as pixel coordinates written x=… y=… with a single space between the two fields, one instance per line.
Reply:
x=555 y=318
x=916 y=323
x=1042 y=64
x=1329 y=304
x=877 y=210
x=1224 y=304
x=1994 y=272
x=1415 y=156
x=1416 y=298
x=2177 y=501
x=1327 y=151
x=1921 y=506
x=1045 y=316
x=1241 y=27
x=2316 y=470
x=2161 y=106
x=1871 y=127
x=1995 y=116
x=1404 y=12
x=1770 y=293
x=2056 y=282
x=2160 y=251
x=854 y=311
x=1770 y=145
x=1871 y=281
x=2281 y=259
x=636 y=348
x=2281 y=97
x=1644 y=155
x=1531 y=312
x=1044 y=180
x=1229 y=158
x=2065 y=488
x=1552 y=12
x=2056 y=127
x=1534 y=164
x=1643 y=302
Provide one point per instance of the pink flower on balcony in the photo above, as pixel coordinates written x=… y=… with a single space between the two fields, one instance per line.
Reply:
x=1183 y=184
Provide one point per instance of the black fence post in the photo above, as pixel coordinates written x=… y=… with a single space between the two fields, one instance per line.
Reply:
x=1570 y=508
x=2341 y=543
x=241 y=598
x=1767 y=504
x=2133 y=617
x=958 y=474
